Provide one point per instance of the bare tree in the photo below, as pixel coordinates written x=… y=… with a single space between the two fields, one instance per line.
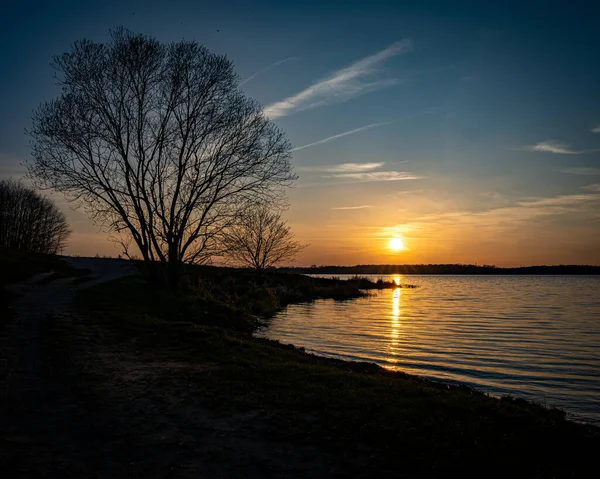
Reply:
x=156 y=141
x=30 y=222
x=260 y=240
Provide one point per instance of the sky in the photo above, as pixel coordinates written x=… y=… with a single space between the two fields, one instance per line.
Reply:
x=471 y=132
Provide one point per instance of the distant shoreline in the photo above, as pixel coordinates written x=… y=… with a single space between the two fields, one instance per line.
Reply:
x=458 y=269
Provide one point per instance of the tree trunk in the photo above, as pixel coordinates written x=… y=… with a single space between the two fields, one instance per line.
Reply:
x=174 y=268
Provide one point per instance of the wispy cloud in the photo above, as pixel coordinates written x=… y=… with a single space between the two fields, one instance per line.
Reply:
x=342 y=85
x=361 y=207
x=367 y=127
x=349 y=178
x=594 y=187
x=596 y=129
x=553 y=146
x=344 y=173
x=557 y=147
x=342 y=167
x=581 y=171
x=503 y=217
x=558 y=201
x=377 y=176
x=267 y=68
x=341 y=135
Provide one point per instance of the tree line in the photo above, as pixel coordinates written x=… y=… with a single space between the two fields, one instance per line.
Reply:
x=29 y=221
x=386 y=269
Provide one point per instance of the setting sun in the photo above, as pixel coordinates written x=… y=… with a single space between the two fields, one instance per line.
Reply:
x=396 y=244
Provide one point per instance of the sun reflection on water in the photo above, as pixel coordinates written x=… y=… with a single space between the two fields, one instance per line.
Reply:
x=395 y=332
x=534 y=337
x=396 y=304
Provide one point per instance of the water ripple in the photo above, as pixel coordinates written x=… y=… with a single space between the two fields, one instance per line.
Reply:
x=536 y=337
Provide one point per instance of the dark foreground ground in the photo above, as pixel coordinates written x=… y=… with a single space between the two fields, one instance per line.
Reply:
x=116 y=380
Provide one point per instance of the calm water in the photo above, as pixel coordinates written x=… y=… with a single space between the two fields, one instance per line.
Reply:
x=536 y=337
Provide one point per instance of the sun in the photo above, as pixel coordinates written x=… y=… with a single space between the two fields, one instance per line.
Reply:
x=396 y=244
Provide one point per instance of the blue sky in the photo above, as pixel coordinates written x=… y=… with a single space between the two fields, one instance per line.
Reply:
x=466 y=130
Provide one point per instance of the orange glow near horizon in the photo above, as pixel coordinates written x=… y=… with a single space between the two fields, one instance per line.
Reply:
x=503 y=238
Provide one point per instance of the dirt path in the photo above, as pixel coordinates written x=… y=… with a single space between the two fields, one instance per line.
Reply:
x=44 y=423
x=80 y=402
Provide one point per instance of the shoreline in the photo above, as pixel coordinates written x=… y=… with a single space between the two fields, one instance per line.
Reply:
x=166 y=385
x=302 y=340
x=438 y=381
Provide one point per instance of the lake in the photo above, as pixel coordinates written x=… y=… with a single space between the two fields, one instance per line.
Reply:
x=536 y=337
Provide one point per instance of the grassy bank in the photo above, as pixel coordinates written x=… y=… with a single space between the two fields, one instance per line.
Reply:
x=218 y=290
x=356 y=417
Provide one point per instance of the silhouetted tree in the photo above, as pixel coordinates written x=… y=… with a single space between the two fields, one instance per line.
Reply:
x=260 y=240
x=30 y=222
x=158 y=143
